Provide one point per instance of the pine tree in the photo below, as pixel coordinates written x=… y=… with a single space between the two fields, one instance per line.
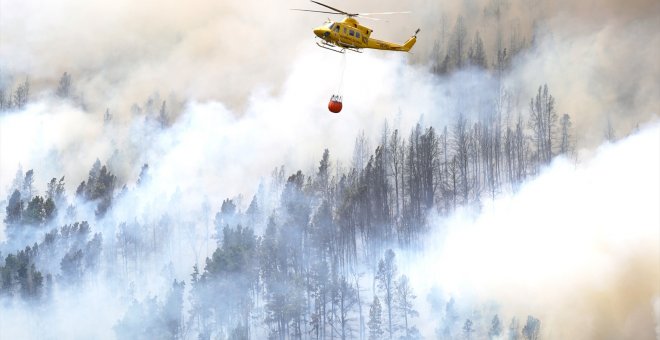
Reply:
x=467 y=329
x=92 y=255
x=323 y=174
x=375 y=320
x=14 y=210
x=477 y=54
x=72 y=266
x=163 y=119
x=385 y=276
x=172 y=310
x=513 y=329
x=404 y=300
x=451 y=318
x=35 y=213
x=532 y=328
x=543 y=120
x=55 y=190
x=458 y=47
x=28 y=185
x=22 y=94
x=565 y=139
x=64 y=87
x=495 y=327
x=347 y=298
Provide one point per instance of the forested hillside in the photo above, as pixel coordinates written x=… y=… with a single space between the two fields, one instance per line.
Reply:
x=234 y=207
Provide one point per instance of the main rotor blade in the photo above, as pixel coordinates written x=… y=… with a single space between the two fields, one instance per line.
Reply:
x=385 y=13
x=370 y=18
x=309 y=10
x=334 y=9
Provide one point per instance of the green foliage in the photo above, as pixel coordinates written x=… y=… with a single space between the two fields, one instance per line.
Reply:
x=283 y=280
x=35 y=212
x=253 y=211
x=55 y=190
x=72 y=266
x=236 y=255
x=99 y=187
x=19 y=276
x=227 y=216
x=322 y=229
x=38 y=211
x=323 y=175
x=93 y=252
x=14 y=210
x=224 y=291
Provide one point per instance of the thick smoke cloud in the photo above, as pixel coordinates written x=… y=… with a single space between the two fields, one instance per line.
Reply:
x=598 y=59
x=121 y=52
x=576 y=247
x=290 y=128
x=246 y=91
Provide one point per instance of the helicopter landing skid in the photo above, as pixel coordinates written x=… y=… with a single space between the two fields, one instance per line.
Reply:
x=331 y=47
x=334 y=48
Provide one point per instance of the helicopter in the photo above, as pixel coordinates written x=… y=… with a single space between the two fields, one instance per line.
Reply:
x=348 y=34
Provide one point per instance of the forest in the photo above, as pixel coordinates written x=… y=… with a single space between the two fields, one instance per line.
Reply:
x=318 y=251
x=325 y=246
x=322 y=265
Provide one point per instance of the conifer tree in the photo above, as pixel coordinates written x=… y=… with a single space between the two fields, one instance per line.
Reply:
x=375 y=320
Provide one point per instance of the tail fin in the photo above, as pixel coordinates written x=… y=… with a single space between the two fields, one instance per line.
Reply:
x=411 y=42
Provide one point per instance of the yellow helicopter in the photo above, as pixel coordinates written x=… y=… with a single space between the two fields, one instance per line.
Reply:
x=348 y=34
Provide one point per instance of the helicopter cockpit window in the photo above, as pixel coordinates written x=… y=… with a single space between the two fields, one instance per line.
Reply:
x=351 y=33
x=329 y=25
x=337 y=28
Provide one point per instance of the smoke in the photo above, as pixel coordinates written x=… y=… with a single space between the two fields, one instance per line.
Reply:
x=576 y=247
x=246 y=92
x=209 y=138
x=68 y=316
x=120 y=52
x=599 y=76
x=597 y=59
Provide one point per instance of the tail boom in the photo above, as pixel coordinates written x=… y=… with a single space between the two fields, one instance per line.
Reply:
x=384 y=45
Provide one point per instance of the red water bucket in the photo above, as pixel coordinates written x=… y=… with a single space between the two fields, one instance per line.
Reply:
x=335 y=104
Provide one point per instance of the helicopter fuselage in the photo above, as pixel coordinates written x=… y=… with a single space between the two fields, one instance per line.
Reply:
x=349 y=34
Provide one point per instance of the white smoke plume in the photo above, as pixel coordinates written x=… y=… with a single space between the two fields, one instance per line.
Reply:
x=577 y=247
x=246 y=92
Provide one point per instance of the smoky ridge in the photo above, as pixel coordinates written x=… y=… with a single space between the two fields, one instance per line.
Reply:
x=307 y=216
x=158 y=175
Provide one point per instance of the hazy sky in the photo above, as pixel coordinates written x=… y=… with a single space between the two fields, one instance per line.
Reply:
x=247 y=90
x=259 y=60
